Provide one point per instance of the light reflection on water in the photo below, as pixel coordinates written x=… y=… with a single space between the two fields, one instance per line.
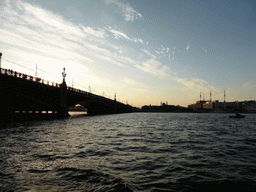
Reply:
x=139 y=152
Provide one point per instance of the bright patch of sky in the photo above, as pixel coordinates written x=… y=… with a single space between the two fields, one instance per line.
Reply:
x=145 y=51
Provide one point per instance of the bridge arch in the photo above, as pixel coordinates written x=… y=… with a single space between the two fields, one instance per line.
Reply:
x=95 y=107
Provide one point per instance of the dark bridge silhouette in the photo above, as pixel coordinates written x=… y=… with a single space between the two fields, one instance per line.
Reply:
x=24 y=96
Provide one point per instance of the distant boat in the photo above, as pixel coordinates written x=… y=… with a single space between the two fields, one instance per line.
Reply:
x=78 y=108
x=237 y=116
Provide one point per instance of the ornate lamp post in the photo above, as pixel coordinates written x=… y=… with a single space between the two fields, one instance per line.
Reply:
x=64 y=74
x=63 y=96
x=0 y=58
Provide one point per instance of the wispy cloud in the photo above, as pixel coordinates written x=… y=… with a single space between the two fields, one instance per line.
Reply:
x=119 y=34
x=40 y=30
x=128 y=12
x=196 y=85
x=138 y=40
x=58 y=42
x=192 y=83
x=130 y=81
x=187 y=47
x=155 y=67
x=204 y=49
x=148 y=53
x=90 y=31
x=249 y=85
x=44 y=32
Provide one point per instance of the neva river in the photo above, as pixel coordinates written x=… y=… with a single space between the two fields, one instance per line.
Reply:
x=130 y=152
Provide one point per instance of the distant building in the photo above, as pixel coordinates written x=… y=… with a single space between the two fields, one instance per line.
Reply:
x=216 y=106
x=249 y=106
x=164 y=108
x=200 y=106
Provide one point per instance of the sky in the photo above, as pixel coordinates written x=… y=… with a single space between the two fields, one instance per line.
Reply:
x=144 y=51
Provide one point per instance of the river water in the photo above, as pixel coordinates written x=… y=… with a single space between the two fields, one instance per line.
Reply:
x=130 y=152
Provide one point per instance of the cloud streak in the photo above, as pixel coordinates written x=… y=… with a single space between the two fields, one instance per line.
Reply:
x=119 y=34
x=196 y=85
x=44 y=32
x=155 y=67
x=30 y=32
x=128 y=12
x=130 y=81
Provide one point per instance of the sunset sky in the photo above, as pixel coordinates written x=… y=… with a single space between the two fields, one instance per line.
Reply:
x=145 y=51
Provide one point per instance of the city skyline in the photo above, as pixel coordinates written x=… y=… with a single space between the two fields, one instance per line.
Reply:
x=145 y=52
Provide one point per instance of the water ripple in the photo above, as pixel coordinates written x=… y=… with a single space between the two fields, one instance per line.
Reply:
x=130 y=152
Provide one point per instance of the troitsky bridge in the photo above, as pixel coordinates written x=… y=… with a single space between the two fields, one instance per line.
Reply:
x=25 y=96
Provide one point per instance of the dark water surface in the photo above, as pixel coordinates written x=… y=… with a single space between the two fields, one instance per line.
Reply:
x=130 y=152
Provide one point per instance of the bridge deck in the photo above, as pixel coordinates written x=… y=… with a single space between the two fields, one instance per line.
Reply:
x=24 y=94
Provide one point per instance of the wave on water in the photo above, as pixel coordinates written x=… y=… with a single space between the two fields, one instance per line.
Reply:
x=63 y=179
x=88 y=180
x=130 y=152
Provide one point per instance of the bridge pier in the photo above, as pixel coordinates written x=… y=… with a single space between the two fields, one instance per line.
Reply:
x=63 y=99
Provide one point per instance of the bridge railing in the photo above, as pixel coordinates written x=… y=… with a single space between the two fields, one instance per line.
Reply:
x=27 y=77
x=42 y=81
x=77 y=90
x=86 y=93
x=53 y=84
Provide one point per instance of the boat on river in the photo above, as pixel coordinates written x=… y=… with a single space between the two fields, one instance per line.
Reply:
x=237 y=116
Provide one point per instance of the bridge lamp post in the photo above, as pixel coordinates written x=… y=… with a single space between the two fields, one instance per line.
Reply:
x=0 y=58
x=63 y=96
x=64 y=74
